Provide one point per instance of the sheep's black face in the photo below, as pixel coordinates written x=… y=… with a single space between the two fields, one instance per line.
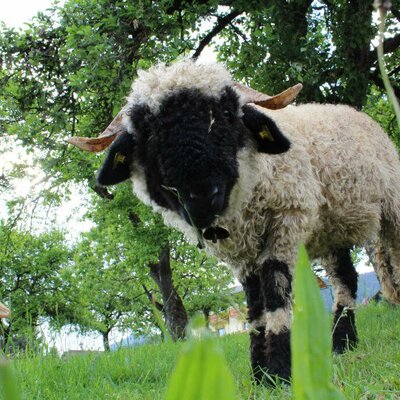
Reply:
x=189 y=153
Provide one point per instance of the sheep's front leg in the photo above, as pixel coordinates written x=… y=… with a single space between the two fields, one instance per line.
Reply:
x=276 y=288
x=268 y=293
x=255 y=306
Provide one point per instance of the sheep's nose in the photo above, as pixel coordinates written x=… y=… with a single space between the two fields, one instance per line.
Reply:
x=204 y=193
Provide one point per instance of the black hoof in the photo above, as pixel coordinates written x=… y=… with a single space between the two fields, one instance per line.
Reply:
x=345 y=344
x=276 y=364
x=377 y=297
x=269 y=379
x=345 y=332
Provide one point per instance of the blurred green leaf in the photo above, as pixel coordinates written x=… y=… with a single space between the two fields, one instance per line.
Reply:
x=8 y=384
x=201 y=373
x=311 y=338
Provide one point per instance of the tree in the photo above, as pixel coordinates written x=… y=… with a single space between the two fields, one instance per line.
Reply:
x=35 y=277
x=326 y=45
x=109 y=288
x=68 y=73
x=204 y=283
x=172 y=307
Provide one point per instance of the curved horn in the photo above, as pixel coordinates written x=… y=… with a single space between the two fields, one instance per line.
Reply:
x=105 y=138
x=4 y=311
x=276 y=102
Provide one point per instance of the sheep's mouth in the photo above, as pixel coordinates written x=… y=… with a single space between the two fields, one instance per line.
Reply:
x=204 y=227
x=215 y=233
x=205 y=230
x=199 y=222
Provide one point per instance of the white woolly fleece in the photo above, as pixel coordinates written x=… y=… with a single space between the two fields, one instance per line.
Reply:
x=152 y=86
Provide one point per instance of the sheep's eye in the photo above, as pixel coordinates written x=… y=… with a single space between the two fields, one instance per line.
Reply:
x=228 y=114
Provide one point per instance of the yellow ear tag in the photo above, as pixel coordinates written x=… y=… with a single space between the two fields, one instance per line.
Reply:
x=266 y=134
x=118 y=159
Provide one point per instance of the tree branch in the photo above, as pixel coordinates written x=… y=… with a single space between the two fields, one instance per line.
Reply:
x=4 y=182
x=396 y=13
x=239 y=32
x=389 y=46
x=222 y=22
x=378 y=82
x=394 y=71
x=153 y=301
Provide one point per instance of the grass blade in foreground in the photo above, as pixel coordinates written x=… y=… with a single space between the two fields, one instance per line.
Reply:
x=8 y=385
x=201 y=373
x=160 y=322
x=311 y=338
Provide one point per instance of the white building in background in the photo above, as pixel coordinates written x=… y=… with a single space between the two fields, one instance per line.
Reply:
x=231 y=321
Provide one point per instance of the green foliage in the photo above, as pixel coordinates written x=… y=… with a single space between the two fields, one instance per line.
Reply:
x=35 y=282
x=381 y=61
x=379 y=108
x=326 y=45
x=311 y=339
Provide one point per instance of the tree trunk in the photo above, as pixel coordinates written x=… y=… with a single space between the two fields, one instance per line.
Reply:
x=4 y=335
x=106 y=341
x=206 y=313
x=173 y=309
x=352 y=32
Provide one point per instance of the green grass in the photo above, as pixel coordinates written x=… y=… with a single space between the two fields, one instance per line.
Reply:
x=372 y=371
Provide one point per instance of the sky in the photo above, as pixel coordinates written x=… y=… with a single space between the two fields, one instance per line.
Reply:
x=14 y=13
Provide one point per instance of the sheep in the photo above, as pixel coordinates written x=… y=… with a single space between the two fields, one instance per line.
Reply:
x=256 y=177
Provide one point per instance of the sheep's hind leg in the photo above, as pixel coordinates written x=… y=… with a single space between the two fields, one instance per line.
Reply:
x=344 y=279
x=387 y=262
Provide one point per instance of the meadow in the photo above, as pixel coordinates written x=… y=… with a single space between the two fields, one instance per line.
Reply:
x=372 y=371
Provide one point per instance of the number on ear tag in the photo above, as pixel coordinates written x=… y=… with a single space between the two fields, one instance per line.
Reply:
x=118 y=159
x=266 y=134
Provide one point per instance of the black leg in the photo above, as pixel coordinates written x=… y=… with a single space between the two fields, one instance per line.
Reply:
x=345 y=332
x=252 y=288
x=276 y=287
x=344 y=279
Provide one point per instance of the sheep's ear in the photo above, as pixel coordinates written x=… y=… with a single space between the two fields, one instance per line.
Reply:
x=116 y=166
x=268 y=136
